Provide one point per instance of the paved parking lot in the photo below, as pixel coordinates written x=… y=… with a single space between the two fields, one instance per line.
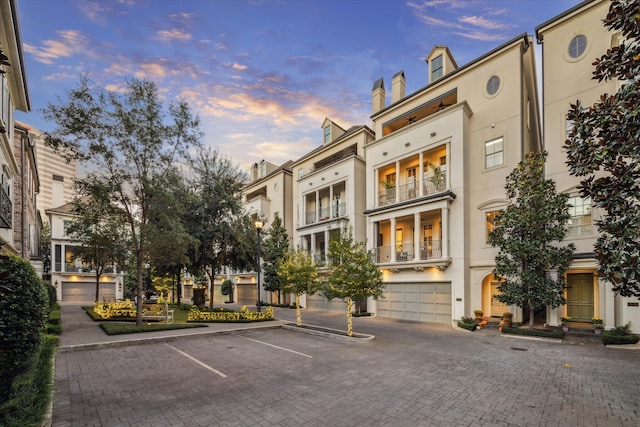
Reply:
x=412 y=374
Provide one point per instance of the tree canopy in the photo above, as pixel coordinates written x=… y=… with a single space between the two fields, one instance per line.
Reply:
x=299 y=275
x=274 y=249
x=603 y=147
x=127 y=141
x=528 y=234
x=353 y=275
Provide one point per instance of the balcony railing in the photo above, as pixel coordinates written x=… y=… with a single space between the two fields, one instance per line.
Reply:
x=405 y=252
x=434 y=184
x=432 y=249
x=338 y=210
x=6 y=209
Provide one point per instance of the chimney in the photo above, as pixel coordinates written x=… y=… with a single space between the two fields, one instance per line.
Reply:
x=254 y=171
x=398 y=86
x=378 y=95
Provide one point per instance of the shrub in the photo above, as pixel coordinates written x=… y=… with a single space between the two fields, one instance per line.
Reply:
x=467 y=326
x=532 y=332
x=227 y=287
x=609 y=338
x=23 y=312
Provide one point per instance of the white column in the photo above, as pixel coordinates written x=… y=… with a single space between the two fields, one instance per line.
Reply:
x=421 y=175
x=397 y=199
x=312 y=249
x=331 y=210
x=444 y=217
x=416 y=236
x=607 y=306
x=392 y=249
x=317 y=206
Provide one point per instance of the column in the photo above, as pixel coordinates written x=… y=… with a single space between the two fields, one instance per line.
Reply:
x=416 y=236
x=420 y=176
x=392 y=249
x=444 y=218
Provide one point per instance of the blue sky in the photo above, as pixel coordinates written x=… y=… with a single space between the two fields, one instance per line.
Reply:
x=262 y=75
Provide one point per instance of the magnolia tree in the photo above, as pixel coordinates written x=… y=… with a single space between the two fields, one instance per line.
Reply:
x=353 y=276
x=299 y=275
x=528 y=234
x=604 y=148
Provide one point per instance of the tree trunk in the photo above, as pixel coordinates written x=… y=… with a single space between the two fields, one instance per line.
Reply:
x=139 y=263
x=349 y=317
x=298 y=317
x=531 y=317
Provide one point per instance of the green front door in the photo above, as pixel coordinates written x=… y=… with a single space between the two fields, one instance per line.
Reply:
x=580 y=297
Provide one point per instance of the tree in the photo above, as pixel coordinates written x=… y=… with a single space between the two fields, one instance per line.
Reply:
x=169 y=241
x=98 y=231
x=224 y=234
x=603 y=148
x=299 y=275
x=353 y=276
x=527 y=234
x=45 y=251
x=273 y=251
x=127 y=143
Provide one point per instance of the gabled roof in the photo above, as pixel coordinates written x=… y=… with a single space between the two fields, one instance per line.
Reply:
x=349 y=132
x=561 y=16
x=285 y=167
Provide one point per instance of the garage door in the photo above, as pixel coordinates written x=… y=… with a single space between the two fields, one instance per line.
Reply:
x=247 y=294
x=317 y=301
x=85 y=293
x=425 y=302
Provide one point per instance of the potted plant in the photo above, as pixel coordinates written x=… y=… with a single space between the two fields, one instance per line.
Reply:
x=598 y=325
x=507 y=318
x=479 y=314
x=565 y=322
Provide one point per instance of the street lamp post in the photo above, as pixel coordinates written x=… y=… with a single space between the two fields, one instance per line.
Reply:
x=259 y=224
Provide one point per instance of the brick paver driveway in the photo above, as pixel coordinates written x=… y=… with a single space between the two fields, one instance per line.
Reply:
x=412 y=374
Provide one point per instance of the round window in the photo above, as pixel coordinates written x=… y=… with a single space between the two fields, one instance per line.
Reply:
x=577 y=46
x=275 y=187
x=493 y=85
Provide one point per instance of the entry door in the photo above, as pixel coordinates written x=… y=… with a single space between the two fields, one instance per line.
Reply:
x=580 y=297
x=497 y=308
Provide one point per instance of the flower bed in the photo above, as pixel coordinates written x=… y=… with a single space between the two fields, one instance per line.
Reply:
x=118 y=310
x=244 y=315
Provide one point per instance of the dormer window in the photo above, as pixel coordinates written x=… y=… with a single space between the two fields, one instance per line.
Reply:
x=327 y=134
x=436 y=68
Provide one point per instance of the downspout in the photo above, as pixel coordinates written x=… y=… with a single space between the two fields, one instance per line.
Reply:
x=22 y=185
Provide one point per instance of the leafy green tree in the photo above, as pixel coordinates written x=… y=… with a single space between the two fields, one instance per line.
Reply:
x=101 y=240
x=603 y=148
x=45 y=250
x=353 y=275
x=299 y=275
x=128 y=141
x=528 y=234
x=169 y=240
x=274 y=249
x=224 y=234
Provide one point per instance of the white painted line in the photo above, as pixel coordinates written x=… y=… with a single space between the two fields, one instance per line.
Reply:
x=197 y=361
x=279 y=348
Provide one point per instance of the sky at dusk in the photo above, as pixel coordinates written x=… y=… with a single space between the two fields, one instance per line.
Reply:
x=261 y=75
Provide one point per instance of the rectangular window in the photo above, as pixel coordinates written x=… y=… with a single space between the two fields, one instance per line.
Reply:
x=58 y=258
x=494 y=153
x=5 y=115
x=580 y=221
x=391 y=180
x=436 y=68
x=300 y=173
x=327 y=134
x=490 y=224
x=568 y=127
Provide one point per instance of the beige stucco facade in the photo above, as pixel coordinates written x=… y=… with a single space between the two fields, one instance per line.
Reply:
x=433 y=173
x=570 y=43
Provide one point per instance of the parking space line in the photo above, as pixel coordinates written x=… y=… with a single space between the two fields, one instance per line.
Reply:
x=197 y=361
x=278 y=347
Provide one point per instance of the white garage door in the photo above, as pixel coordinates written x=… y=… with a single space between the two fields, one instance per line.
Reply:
x=317 y=301
x=85 y=293
x=425 y=302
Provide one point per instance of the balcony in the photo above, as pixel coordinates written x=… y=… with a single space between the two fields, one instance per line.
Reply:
x=6 y=209
x=405 y=253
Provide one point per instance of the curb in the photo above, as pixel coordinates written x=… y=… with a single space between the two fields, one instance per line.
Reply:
x=333 y=334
